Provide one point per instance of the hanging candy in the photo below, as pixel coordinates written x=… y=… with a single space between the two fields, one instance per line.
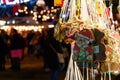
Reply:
x=82 y=50
x=99 y=47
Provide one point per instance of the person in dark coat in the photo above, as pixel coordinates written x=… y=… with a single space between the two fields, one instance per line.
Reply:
x=50 y=54
x=44 y=47
x=30 y=36
x=3 y=52
x=17 y=45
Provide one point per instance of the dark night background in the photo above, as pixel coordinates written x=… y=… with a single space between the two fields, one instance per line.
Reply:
x=7 y=11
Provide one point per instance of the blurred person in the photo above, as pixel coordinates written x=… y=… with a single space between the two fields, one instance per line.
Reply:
x=4 y=36
x=44 y=46
x=29 y=38
x=53 y=49
x=66 y=48
x=35 y=42
x=17 y=45
x=3 y=52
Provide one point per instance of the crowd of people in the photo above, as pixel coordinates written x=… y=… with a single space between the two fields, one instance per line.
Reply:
x=12 y=45
x=38 y=44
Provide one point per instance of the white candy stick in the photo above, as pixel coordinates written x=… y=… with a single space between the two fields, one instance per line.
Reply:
x=83 y=70
x=87 y=74
x=105 y=76
x=109 y=71
x=101 y=76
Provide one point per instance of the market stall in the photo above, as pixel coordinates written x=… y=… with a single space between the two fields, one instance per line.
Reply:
x=89 y=27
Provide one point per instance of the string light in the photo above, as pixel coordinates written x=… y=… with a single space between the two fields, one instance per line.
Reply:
x=2 y=22
x=45 y=14
x=26 y=28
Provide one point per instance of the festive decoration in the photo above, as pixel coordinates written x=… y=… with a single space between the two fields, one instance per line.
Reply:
x=58 y=2
x=41 y=14
x=88 y=25
x=10 y=9
x=12 y=2
x=99 y=46
x=82 y=50
x=2 y=22
x=73 y=68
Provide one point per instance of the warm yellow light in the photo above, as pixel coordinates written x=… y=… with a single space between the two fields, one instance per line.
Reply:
x=31 y=12
x=48 y=11
x=44 y=10
x=25 y=8
x=40 y=30
x=55 y=10
x=50 y=26
x=26 y=12
x=44 y=19
x=51 y=14
x=41 y=12
x=42 y=26
x=23 y=28
x=39 y=16
x=34 y=18
x=2 y=22
x=44 y=16
x=53 y=17
x=5 y=27
x=20 y=10
x=48 y=17
x=52 y=7
x=35 y=13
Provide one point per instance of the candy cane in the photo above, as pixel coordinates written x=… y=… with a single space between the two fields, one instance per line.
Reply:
x=84 y=10
x=105 y=76
x=87 y=72
x=64 y=8
x=101 y=76
x=109 y=71
x=73 y=72
x=83 y=70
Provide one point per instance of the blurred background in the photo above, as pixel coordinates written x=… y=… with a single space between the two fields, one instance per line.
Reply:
x=31 y=18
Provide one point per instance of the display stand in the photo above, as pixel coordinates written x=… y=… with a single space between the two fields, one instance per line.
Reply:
x=86 y=25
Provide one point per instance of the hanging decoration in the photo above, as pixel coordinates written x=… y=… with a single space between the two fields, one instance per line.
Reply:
x=58 y=2
x=13 y=2
x=9 y=8
x=87 y=26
